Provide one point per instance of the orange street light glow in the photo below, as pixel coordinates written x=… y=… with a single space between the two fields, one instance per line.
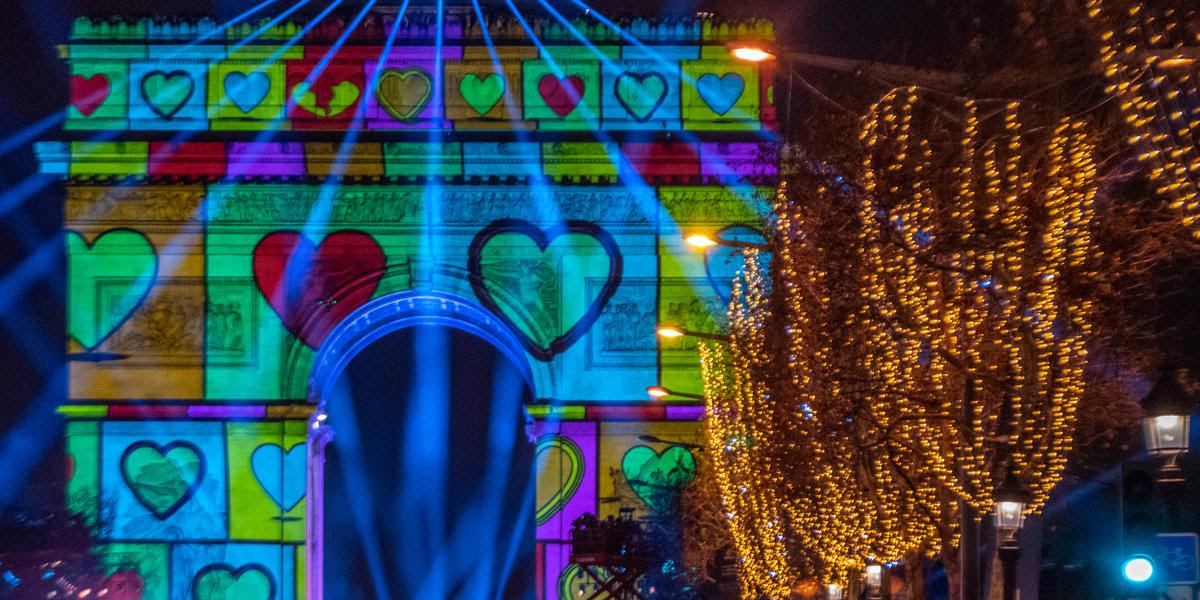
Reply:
x=658 y=391
x=700 y=240
x=751 y=54
x=669 y=331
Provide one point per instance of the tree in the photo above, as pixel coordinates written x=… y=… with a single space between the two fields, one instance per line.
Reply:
x=918 y=338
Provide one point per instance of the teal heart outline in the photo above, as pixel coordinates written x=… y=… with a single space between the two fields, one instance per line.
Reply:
x=636 y=107
x=163 y=451
x=154 y=102
x=79 y=252
x=642 y=467
x=236 y=574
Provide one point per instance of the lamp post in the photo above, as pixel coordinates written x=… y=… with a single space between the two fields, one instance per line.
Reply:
x=1011 y=499
x=874 y=581
x=669 y=330
x=703 y=240
x=659 y=392
x=834 y=591
x=1167 y=421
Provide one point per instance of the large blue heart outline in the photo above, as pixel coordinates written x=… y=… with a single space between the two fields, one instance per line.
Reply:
x=281 y=474
x=720 y=93
x=543 y=238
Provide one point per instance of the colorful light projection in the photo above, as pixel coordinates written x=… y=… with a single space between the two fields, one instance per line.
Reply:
x=197 y=266
x=563 y=88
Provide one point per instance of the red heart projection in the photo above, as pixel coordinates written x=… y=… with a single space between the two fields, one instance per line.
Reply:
x=313 y=288
x=88 y=93
x=561 y=95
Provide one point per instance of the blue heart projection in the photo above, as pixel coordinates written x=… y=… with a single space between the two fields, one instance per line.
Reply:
x=720 y=93
x=247 y=91
x=281 y=474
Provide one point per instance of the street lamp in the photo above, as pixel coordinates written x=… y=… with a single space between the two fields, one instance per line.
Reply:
x=669 y=330
x=833 y=591
x=702 y=240
x=659 y=392
x=750 y=51
x=1167 y=419
x=874 y=580
x=1011 y=499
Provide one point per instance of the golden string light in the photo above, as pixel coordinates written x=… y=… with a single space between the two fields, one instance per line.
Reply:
x=869 y=379
x=1151 y=58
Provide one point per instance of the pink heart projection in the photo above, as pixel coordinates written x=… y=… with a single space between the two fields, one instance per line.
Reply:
x=88 y=93
x=561 y=95
x=312 y=288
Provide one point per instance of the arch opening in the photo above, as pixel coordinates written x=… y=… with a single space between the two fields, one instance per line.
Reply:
x=425 y=489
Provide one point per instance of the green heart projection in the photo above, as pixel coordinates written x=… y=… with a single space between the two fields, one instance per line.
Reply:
x=221 y=581
x=517 y=271
x=657 y=478
x=162 y=477
x=482 y=93
x=106 y=280
x=404 y=93
x=574 y=583
x=345 y=94
x=641 y=93
x=557 y=454
x=167 y=93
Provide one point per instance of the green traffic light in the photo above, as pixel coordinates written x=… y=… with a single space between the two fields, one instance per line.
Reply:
x=1138 y=568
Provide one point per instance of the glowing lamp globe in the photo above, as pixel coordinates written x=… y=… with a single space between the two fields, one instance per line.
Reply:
x=1011 y=499
x=1167 y=416
x=700 y=240
x=751 y=53
x=669 y=331
x=658 y=391
x=1138 y=568
x=874 y=577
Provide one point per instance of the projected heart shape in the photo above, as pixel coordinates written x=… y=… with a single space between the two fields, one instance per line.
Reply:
x=281 y=474
x=221 y=581
x=167 y=93
x=574 y=582
x=723 y=263
x=557 y=454
x=109 y=279
x=404 y=93
x=482 y=93
x=521 y=294
x=561 y=95
x=89 y=93
x=657 y=478
x=343 y=96
x=247 y=91
x=720 y=93
x=640 y=93
x=313 y=288
x=162 y=477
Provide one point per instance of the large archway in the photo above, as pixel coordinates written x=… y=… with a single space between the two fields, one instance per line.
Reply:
x=424 y=492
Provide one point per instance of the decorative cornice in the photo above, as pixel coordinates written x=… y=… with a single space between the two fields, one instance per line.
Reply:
x=422 y=25
x=470 y=162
